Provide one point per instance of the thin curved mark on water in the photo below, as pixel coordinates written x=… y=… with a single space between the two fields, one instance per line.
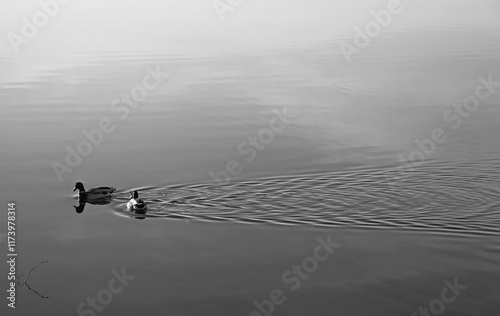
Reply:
x=452 y=197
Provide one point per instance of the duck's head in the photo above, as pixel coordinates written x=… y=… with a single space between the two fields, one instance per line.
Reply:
x=79 y=186
x=134 y=195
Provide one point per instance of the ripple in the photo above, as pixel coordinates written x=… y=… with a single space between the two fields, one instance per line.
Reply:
x=442 y=197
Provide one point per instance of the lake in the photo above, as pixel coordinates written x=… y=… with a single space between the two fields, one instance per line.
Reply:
x=297 y=158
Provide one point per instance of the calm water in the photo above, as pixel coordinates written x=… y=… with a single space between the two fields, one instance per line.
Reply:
x=328 y=170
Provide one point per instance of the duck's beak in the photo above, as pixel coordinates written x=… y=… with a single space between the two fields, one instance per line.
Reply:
x=74 y=189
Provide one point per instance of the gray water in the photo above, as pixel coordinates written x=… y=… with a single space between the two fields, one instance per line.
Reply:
x=227 y=218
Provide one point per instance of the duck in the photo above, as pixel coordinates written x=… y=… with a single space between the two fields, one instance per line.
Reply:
x=136 y=204
x=94 y=193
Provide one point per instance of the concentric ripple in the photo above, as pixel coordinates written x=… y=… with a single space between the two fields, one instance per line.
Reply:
x=451 y=197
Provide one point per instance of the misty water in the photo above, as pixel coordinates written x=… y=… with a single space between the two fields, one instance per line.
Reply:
x=256 y=137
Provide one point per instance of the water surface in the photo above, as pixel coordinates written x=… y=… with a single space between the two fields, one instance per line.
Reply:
x=207 y=248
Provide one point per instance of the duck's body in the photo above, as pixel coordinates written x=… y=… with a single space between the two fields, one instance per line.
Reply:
x=94 y=193
x=136 y=204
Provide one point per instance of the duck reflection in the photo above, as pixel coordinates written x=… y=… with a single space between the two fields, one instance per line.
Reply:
x=137 y=211
x=138 y=217
x=82 y=201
